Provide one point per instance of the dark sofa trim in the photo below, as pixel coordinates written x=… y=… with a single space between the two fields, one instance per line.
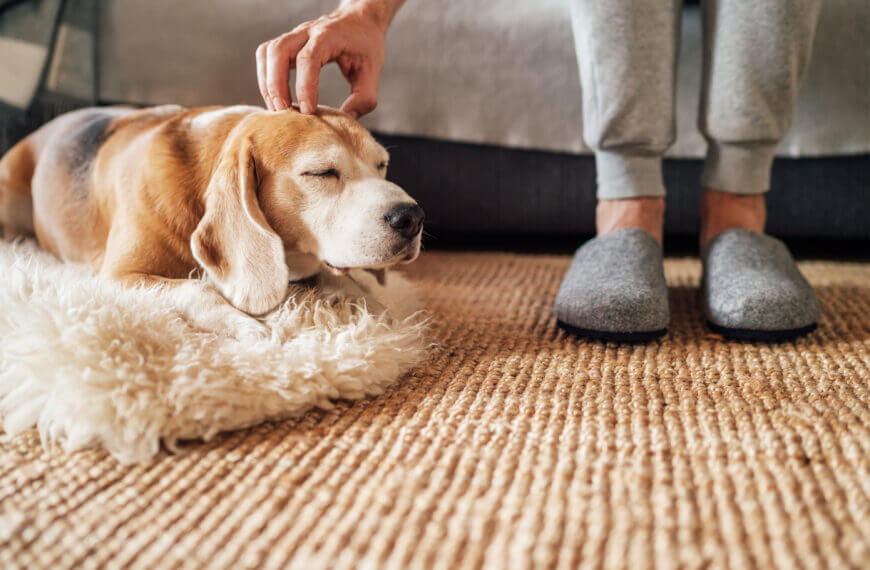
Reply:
x=467 y=188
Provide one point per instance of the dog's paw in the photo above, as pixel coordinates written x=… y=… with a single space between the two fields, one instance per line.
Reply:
x=246 y=329
x=204 y=308
x=227 y=321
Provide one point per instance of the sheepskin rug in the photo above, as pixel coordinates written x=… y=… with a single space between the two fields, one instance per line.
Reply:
x=89 y=362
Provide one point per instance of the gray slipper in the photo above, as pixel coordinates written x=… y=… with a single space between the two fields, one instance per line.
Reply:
x=615 y=289
x=753 y=290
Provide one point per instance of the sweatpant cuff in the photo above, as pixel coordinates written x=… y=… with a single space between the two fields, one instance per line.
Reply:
x=622 y=176
x=739 y=169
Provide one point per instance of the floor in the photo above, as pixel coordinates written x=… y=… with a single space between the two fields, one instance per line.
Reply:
x=513 y=446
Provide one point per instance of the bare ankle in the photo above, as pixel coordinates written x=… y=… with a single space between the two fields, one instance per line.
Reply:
x=647 y=214
x=722 y=211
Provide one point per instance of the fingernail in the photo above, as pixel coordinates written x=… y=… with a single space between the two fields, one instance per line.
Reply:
x=305 y=108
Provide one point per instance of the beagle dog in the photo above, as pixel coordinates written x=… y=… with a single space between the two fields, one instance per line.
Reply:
x=249 y=198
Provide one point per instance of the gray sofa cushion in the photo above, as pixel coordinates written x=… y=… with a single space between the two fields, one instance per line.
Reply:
x=498 y=72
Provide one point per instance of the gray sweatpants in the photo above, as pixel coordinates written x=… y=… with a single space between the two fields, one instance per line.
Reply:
x=755 y=54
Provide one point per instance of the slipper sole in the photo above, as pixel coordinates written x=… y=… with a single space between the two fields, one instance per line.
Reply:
x=623 y=337
x=761 y=335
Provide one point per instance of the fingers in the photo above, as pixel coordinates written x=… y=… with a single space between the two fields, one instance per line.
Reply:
x=364 y=92
x=355 y=42
x=274 y=60
x=308 y=63
x=262 y=76
x=278 y=74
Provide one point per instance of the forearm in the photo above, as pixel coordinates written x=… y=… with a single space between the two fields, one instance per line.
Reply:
x=381 y=12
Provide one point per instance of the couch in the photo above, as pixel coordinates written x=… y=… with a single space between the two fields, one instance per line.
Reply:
x=480 y=107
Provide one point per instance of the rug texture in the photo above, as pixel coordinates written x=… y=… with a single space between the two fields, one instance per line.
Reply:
x=90 y=362
x=512 y=446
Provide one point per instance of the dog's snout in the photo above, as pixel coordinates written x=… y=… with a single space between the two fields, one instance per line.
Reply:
x=407 y=219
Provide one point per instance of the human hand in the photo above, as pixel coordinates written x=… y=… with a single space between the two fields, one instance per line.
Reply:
x=352 y=36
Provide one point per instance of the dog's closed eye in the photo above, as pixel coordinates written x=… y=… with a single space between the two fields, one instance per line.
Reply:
x=327 y=173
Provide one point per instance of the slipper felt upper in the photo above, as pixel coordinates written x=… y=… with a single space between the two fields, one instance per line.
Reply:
x=615 y=284
x=751 y=282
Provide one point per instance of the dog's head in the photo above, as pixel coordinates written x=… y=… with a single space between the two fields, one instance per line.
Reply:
x=290 y=186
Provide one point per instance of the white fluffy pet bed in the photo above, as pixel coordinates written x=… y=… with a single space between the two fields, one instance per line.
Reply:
x=89 y=362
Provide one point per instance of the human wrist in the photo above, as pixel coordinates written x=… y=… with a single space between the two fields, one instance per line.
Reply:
x=379 y=13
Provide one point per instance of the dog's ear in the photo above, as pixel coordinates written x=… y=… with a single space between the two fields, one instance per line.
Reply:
x=233 y=242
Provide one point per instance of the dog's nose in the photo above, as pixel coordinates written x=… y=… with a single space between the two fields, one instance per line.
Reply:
x=407 y=219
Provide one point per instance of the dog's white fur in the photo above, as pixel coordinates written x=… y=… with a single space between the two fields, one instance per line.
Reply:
x=341 y=222
x=90 y=362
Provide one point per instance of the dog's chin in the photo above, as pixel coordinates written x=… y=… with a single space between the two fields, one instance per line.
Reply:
x=405 y=255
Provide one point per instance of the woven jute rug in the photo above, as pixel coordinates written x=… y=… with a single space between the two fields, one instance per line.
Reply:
x=513 y=446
